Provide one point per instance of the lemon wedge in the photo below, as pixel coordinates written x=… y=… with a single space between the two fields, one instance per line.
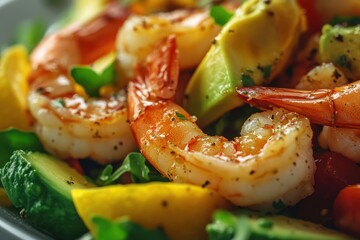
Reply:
x=182 y=210
x=14 y=71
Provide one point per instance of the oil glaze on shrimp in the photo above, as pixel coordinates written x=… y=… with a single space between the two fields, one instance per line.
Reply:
x=272 y=160
x=67 y=124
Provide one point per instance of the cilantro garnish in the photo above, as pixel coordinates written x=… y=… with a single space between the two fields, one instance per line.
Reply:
x=92 y=81
x=220 y=15
x=180 y=116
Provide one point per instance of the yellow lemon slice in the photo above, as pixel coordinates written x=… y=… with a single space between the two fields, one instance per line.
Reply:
x=182 y=210
x=14 y=71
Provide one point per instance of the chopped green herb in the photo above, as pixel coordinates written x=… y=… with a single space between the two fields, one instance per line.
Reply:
x=58 y=103
x=220 y=15
x=278 y=204
x=247 y=80
x=135 y=164
x=92 y=81
x=345 y=62
x=180 y=116
x=124 y=229
x=30 y=33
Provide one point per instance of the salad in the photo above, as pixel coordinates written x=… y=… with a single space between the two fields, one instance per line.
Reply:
x=185 y=119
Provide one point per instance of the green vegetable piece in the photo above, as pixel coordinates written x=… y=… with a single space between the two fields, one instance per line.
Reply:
x=252 y=225
x=13 y=139
x=180 y=116
x=92 y=81
x=30 y=33
x=256 y=43
x=123 y=229
x=135 y=164
x=40 y=185
x=345 y=20
x=220 y=15
x=230 y=124
x=341 y=46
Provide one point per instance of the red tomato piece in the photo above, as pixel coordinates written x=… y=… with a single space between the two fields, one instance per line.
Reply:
x=347 y=210
x=333 y=173
x=74 y=163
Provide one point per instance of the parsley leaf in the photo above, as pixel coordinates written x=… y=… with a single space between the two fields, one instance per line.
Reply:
x=181 y=116
x=220 y=15
x=92 y=81
x=135 y=164
x=123 y=229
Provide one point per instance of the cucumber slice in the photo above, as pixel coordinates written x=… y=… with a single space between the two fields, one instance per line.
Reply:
x=41 y=186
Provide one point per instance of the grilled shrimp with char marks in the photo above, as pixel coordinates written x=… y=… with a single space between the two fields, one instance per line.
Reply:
x=68 y=125
x=271 y=160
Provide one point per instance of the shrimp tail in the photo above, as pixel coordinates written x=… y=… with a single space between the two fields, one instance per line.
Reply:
x=146 y=89
x=316 y=105
x=331 y=107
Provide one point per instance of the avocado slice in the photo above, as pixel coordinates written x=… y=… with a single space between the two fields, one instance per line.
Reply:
x=252 y=225
x=341 y=46
x=252 y=48
x=41 y=186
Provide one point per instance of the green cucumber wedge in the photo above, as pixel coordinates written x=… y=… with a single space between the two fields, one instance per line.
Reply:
x=40 y=185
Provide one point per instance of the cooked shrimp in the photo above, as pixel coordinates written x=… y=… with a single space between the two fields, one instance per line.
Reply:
x=334 y=107
x=326 y=75
x=195 y=31
x=272 y=160
x=67 y=124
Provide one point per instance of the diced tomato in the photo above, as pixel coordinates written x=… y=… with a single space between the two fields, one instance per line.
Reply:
x=312 y=14
x=347 y=210
x=334 y=172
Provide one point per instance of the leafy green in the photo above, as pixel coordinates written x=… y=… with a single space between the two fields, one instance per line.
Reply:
x=123 y=229
x=30 y=33
x=220 y=15
x=92 y=81
x=13 y=139
x=135 y=164
x=227 y=226
x=230 y=124
x=345 y=20
x=247 y=80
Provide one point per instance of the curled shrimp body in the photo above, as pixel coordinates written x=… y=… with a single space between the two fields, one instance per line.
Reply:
x=68 y=125
x=334 y=107
x=272 y=160
x=194 y=29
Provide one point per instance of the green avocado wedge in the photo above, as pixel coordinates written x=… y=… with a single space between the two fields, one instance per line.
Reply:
x=341 y=46
x=40 y=185
x=252 y=48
